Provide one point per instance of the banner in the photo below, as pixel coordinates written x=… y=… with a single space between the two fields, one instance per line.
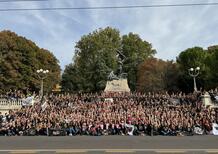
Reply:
x=215 y=129
x=109 y=100
x=131 y=127
x=31 y=132
x=216 y=97
x=44 y=106
x=56 y=132
x=175 y=101
x=28 y=101
x=198 y=130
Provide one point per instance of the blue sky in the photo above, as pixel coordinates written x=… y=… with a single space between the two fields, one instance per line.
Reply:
x=170 y=30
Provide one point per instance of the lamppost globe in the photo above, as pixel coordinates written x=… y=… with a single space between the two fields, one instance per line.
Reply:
x=42 y=75
x=191 y=69
x=194 y=73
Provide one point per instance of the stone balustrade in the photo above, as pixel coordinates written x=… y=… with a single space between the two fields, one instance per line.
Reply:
x=7 y=104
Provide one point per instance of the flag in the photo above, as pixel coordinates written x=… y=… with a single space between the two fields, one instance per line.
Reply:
x=216 y=97
x=109 y=100
x=215 y=129
x=44 y=106
x=198 y=130
x=175 y=101
x=130 y=132
x=28 y=101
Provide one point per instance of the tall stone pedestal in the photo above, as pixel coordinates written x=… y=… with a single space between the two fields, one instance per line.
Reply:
x=120 y=85
x=206 y=99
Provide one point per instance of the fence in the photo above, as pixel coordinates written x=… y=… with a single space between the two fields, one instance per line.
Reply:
x=7 y=104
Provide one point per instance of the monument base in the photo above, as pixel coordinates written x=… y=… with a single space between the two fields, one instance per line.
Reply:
x=120 y=85
x=206 y=99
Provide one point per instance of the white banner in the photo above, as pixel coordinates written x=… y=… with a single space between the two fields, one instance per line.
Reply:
x=109 y=100
x=132 y=129
x=216 y=97
x=215 y=129
x=28 y=101
x=44 y=106
x=174 y=101
x=198 y=130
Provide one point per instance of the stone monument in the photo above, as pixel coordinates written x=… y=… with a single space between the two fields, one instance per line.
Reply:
x=206 y=99
x=118 y=83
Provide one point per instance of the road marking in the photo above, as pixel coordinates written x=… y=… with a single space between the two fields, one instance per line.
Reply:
x=170 y=151
x=119 y=151
x=71 y=151
x=212 y=151
x=23 y=151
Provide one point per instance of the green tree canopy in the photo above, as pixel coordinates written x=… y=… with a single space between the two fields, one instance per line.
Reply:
x=95 y=56
x=192 y=58
x=212 y=65
x=20 y=58
x=136 y=51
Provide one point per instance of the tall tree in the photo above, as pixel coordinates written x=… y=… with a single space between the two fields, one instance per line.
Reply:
x=171 y=76
x=96 y=55
x=150 y=75
x=192 y=58
x=154 y=74
x=212 y=63
x=136 y=51
x=20 y=58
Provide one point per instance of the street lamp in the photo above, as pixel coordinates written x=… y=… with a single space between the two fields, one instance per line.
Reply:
x=194 y=72
x=42 y=74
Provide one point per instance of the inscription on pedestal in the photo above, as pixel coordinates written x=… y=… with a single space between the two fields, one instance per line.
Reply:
x=120 y=85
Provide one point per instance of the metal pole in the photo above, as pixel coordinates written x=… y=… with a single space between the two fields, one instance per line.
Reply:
x=41 y=88
x=194 y=73
x=152 y=126
x=195 y=86
x=42 y=75
x=152 y=130
x=47 y=131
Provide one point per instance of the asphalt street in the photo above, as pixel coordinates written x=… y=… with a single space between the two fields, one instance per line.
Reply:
x=109 y=144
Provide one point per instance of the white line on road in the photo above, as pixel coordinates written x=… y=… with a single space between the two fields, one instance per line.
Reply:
x=54 y=150
x=71 y=151
x=120 y=151
x=170 y=151
x=23 y=152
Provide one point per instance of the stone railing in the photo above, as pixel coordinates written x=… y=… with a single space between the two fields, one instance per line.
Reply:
x=6 y=104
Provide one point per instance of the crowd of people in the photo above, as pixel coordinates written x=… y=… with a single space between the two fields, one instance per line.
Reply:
x=111 y=114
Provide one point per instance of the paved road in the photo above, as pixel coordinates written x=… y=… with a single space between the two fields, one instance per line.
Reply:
x=109 y=144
